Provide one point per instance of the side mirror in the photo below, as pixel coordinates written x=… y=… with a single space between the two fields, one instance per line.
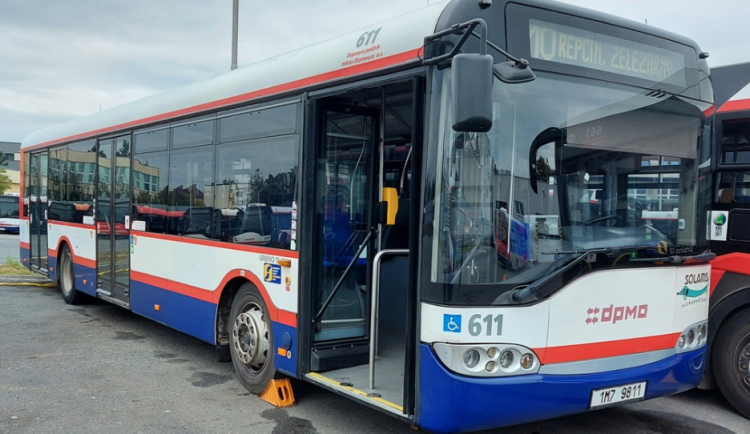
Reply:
x=471 y=76
x=514 y=72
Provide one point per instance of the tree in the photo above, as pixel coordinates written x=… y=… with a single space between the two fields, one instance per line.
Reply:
x=5 y=182
x=543 y=170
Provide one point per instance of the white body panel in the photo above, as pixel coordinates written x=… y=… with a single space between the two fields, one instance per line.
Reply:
x=205 y=266
x=82 y=240
x=607 y=306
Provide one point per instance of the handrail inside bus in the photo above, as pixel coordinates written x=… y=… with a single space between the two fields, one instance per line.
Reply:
x=375 y=304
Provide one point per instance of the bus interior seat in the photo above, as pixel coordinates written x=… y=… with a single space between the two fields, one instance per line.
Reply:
x=396 y=236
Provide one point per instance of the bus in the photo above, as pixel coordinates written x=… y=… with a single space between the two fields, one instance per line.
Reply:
x=406 y=153
x=729 y=314
x=9 y=213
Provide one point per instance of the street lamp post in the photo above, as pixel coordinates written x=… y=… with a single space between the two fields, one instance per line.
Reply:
x=235 y=13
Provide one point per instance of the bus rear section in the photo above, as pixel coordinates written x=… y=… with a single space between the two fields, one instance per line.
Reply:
x=729 y=220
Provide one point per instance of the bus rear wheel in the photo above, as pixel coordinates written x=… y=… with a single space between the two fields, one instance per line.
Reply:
x=67 y=277
x=251 y=340
x=731 y=361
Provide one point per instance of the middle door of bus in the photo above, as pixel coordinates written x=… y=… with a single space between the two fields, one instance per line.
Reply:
x=113 y=219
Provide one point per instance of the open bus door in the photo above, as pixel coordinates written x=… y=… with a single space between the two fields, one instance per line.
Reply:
x=363 y=142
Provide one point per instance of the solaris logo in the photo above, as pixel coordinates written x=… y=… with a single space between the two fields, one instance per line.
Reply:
x=720 y=219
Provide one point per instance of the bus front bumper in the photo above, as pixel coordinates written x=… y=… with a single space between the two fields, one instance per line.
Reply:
x=452 y=403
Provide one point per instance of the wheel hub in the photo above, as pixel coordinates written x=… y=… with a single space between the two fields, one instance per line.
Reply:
x=250 y=337
x=743 y=363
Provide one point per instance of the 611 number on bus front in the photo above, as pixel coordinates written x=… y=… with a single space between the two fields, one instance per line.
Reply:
x=486 y=325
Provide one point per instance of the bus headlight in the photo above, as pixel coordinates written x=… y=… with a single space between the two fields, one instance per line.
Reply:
x=471 y=358
x=693 y=337
x=527 y=361
x=496 y=360
x=506 y=359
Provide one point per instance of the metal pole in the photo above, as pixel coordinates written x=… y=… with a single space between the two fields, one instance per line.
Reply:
x=374 y=307
x=235 y=13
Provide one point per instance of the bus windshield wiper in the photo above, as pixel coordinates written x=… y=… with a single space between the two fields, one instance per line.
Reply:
x=534 y=290
x=677 y=259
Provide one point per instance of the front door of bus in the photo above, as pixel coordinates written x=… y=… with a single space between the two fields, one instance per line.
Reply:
x=113 y=219
x=345 y=193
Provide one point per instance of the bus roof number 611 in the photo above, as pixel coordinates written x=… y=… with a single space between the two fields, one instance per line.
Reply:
x=368 y=37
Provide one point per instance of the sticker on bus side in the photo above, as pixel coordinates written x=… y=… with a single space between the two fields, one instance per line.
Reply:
x=272 y=273
x=719 y=220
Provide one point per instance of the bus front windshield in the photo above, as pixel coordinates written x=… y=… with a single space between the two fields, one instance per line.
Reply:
x=570 y=166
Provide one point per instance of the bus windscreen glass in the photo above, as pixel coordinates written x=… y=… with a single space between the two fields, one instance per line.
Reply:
x=578 y=47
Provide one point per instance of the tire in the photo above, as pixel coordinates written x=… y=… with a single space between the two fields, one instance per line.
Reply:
x=731 y=361
x=67 y=277
x=251 y=340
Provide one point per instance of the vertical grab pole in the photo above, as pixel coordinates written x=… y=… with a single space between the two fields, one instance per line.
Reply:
x=374 y=305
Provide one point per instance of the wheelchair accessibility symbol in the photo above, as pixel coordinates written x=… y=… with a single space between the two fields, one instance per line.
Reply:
x=452 y=323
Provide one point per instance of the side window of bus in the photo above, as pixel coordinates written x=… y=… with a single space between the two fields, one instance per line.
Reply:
x=735 y=141
x=72 y=171
x=150 y=175
x=191 y=192
x=254 y=190
x=733 y=189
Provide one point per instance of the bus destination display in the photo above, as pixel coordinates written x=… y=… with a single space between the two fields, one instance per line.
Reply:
x=583 y=48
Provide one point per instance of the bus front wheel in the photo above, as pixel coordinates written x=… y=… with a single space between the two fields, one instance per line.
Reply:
x=251 y=340
x=67 y=277
x=731 y=361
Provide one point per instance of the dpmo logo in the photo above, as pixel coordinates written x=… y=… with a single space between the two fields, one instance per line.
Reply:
x=614 y=314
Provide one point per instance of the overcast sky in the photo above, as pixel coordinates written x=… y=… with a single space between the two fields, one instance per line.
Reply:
x=64 y=59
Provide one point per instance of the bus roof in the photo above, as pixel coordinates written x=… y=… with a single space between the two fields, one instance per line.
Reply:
x=732 y=87
x=398 y=41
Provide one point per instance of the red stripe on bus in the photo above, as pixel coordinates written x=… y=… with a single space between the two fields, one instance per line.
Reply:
x=716 y=276
x=600 y=350
x=733 y=262
x=72 y=225
x=220 y=244
x=292 y=85
x=26 y=246
x=177 y=287
x=734 y=106
x=90 y=263
x=276 y=314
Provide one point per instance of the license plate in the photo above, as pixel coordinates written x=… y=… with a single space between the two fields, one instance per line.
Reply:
x=617 y=394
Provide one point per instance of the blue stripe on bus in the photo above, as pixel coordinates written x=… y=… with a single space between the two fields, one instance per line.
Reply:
x=52 y=267
x=26 y=257
x=89 y=275
x=455 y=403
x=186 y=314
x=288 y=364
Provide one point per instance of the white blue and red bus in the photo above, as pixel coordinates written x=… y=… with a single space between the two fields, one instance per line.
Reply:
x=402 y=151
x=729 y=223
x=9 y=213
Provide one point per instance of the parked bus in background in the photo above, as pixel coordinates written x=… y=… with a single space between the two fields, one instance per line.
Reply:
x=729 y=233
x=9 y=213
x=438 y=189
